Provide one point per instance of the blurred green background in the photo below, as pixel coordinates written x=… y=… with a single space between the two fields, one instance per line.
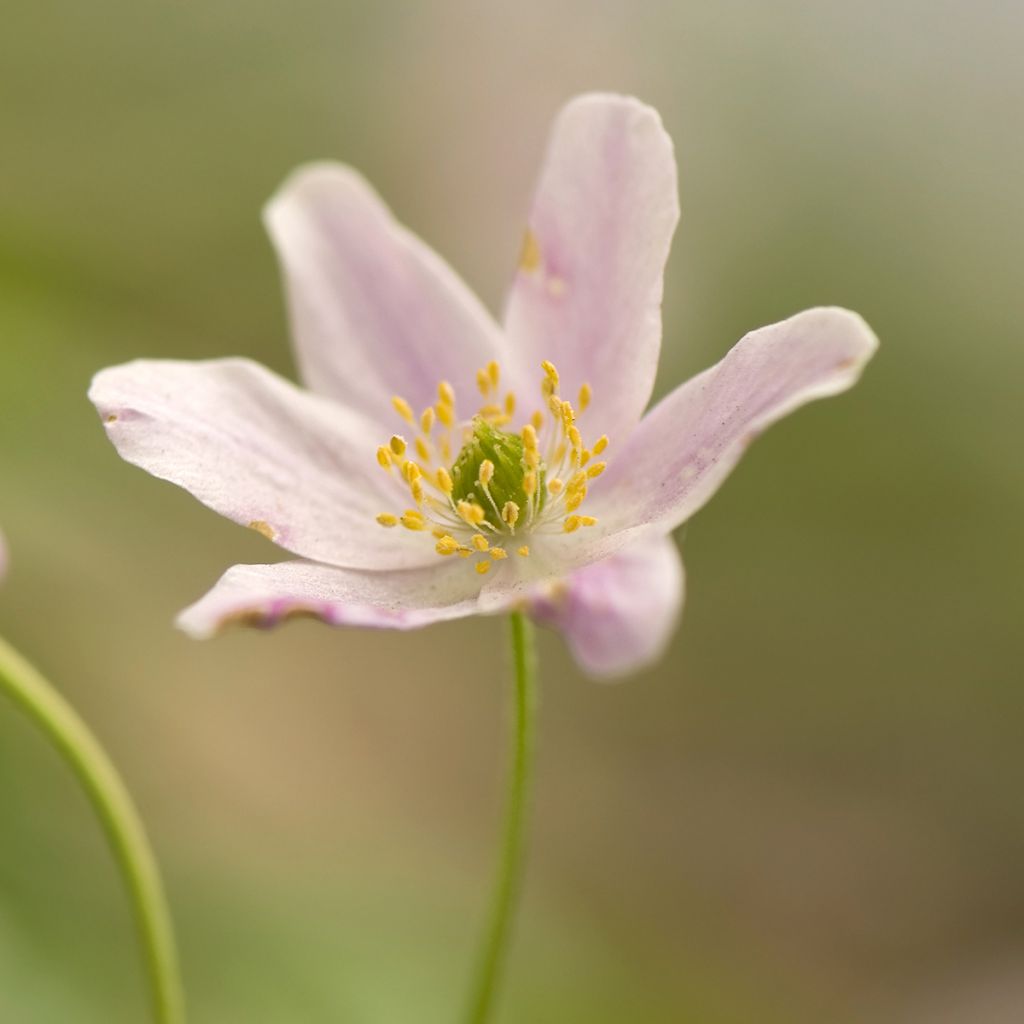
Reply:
x=810 y=810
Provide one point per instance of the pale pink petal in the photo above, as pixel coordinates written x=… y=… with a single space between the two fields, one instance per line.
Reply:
x=374 y=311
x=298 y=468
x=618 y=614
x=266 y=595
x=687 y=445
x=587 y=294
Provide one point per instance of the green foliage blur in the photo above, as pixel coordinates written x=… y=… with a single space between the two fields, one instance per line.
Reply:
x=810 y=811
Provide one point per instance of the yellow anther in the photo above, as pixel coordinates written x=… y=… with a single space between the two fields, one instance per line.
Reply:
x=446 y=393
x=413 y=520
x=483 y=381
x=585 y=395
x=529 y=483
x=397 y=444
x=427 y=419
x=387 y=519
x=531 y=457
x=482 y=567
x=584 y=457
x=422 y=449
x=491 y=411
x=571 y=524
x=444 y=480
x=568 y=415
x=574 y=500
x=601 y=444
x=417 y=491
x=439 y=532
x=529 y=437
x=446 y=449
x=510 y=404
x=479 y=541
x=555 y=405
x=574 y=438
x=524 y=550
x=384 y=457
x=578 y=480
x=447 y=545
x=410 y=471
x=596 y=469
x=470 y=512
x=403 y=409
x=494 y=372
x=555 y=486
x=498 y=554
x=550 y=372
x=446 y=413
x=486 y=472
x=587 y=520
x=510 y=513
x=537 y=420
x=465 y=552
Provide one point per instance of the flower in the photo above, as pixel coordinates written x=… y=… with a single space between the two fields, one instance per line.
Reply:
x=441 y=466
x=3 y=556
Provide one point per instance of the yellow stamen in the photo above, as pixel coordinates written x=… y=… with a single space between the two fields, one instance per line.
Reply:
x=574 y=438
x=427 y=419
x=470 y=512
x=422 y=450
x=571 y=524
x=479 y=541
x=587 y=520
x=397 y=444
x=410 y=471
x=446 y=413
x=447 y=545
x=555 y=486
x=446 y=393
x=510 y=513
x=510 y=404
x=482 y=567
x=529 y=437
x=387 y=519
x=494 y=372
x=601 y=444
x=585 y=395
x=403 y=409
x=596 y=469
x=384 y=457
x=413 y=520
x=537 y=420
x=483 y=382
x=524 y=550
x=486 y=472
x=530 y=483
x=498 y=553
x=444 y=480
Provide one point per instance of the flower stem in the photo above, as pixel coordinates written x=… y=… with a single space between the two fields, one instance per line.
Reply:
x=510 y=870
x=114 y=807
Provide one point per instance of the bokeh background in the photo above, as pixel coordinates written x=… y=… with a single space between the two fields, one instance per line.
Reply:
x=810 y=810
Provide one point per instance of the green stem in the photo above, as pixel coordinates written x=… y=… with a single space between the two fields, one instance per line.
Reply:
x=510 y=870
x=82 y=752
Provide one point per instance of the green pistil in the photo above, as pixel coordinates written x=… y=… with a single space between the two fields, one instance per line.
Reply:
x=505 y=451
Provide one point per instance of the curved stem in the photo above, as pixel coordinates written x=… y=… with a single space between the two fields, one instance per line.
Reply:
x=86 y=758
x=510 y=870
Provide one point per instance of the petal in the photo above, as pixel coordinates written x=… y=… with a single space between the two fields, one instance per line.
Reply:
x=267 y=595
x=618 y=614
x=374 y=311
x=687 y=445
x=587 y=294
x=255 y=448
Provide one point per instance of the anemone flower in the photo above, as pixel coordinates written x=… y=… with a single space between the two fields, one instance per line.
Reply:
x=439 y=465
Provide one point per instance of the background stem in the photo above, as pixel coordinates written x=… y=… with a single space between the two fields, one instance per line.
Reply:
x=494 y=946
x=121 y=823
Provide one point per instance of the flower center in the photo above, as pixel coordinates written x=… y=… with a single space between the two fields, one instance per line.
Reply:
x=502 y=486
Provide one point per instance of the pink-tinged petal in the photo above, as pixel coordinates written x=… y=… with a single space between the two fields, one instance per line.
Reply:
x=587 y=294
x=267 y=595
x=374 y=312
x=298 y=468
x=687 y=445
x=618 y=614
